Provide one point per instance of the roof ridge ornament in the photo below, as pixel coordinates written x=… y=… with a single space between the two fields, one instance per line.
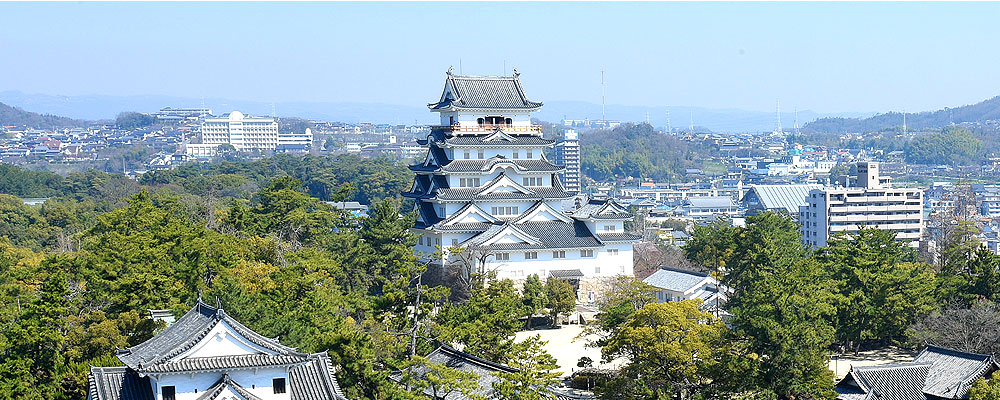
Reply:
x=451 y=69
x=516 y=74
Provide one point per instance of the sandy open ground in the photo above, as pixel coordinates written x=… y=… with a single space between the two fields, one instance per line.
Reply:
x=840 y=365
x=567 y=348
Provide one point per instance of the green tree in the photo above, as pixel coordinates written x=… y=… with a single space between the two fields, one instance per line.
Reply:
x=781 y=303
x=622 y=298
x=986 y=389
x=560 y=298
x=440 y=381
x=485 y=323
x=882 y=294
x=533 y=297
x=670 y=350
x=532 y=376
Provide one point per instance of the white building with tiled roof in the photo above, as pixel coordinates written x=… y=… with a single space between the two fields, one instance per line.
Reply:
x=486 y=184
x=208 y=355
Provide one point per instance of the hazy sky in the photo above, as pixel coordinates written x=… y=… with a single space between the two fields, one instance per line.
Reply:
x=826 y=57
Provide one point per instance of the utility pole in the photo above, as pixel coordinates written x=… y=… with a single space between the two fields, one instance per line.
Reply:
x=904 y=121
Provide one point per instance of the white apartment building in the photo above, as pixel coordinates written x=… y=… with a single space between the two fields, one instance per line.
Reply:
x=244 y=133
x=870 y=201
x=567 y=154
x=485 y=184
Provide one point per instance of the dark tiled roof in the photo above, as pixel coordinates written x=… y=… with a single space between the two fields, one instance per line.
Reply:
x=114 y=383
x=462 y=361
x=484 y=92
x=315 y=380
x=478 y=140
x=225 y=363
x=618 y=237
x=953 y=372
x=885 y=382
x=566 y=273
x=936 y=373
x=188 y=331
x=601 y=209
x=537 y=193
x=552 y=235
x=215 y=391
x=534 y=165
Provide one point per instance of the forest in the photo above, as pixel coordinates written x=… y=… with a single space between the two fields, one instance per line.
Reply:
x=637 y=150
x=79 y=273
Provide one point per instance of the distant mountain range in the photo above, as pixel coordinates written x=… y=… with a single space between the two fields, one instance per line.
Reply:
x=97 y=107
x=17 y=117
x=975 y=113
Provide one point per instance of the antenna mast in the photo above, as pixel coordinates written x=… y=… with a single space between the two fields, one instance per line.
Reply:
x=692 y=122
x=647 y=117
x=904 y=121
x=604 y=117
x=796 y=120
x=669 y=129
x=778 y=113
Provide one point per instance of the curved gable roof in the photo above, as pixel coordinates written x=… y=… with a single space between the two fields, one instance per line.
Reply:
x=483 y=92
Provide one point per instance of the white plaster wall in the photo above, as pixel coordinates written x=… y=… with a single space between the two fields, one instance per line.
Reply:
x=259 y=383
x=602 y=264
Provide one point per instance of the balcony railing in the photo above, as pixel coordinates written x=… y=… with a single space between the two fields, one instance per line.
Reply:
x=486 y=128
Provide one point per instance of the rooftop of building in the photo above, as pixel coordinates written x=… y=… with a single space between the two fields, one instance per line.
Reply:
x=465 y=92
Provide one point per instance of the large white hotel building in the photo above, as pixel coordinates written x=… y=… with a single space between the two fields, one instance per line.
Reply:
x=486 y=184
x=869 y=201
x=244 y=133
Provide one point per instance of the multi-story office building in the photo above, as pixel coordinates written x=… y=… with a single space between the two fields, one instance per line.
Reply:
x=869 y=201
x=567 y=154
x=485 y=186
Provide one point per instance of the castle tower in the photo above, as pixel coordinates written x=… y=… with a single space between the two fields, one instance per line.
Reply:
x=486 y=185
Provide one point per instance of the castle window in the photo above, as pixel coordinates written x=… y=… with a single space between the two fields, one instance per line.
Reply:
x=559 y=254
x=480 y=154
x=494 y=120
x=169 y=393
x=517 y=155
x=279 y=385
x=530 y=154
x=586 y=253
x=480 y=121
x=531 y=255
x=503 y=256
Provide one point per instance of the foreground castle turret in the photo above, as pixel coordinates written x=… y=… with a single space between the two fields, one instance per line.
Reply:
x=487 y=186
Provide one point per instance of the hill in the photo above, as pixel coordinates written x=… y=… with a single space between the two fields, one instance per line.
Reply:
x=14 y=116
x=639 y=151
x=96 y=107
x=982 y=113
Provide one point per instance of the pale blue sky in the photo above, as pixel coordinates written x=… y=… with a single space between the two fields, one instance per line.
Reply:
x=826 y=57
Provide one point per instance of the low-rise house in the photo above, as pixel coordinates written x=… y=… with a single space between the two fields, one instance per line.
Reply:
x=674 y=284
x=937 y=373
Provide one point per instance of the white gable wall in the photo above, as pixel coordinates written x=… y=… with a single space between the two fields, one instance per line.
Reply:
x=222 y=340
